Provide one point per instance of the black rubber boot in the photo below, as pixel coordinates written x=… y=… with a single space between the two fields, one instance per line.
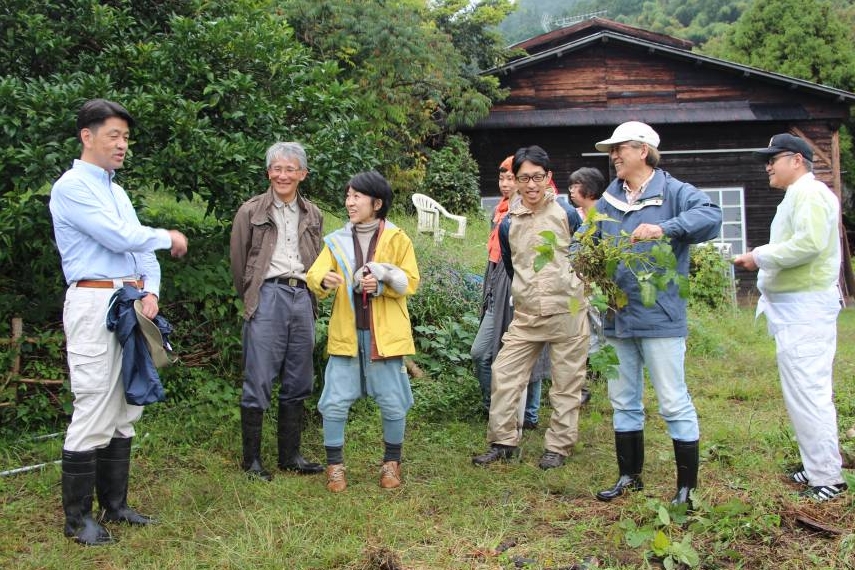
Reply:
x=290 y=435
x=250 y=424
x=629 y=447
x=113 y=465
x=686 y=455
x=78 y=482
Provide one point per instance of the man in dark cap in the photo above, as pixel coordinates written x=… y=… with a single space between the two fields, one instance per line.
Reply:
x=798 y=282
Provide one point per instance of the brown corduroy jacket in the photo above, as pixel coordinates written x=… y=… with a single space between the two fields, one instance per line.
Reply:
x=253 y=238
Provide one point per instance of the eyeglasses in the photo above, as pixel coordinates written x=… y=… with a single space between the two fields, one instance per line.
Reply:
x=538 y=178
x=287 y=170
x=618 y=148
x=773 y=159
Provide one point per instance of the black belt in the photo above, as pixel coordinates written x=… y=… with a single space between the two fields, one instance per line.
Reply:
x=290 y=281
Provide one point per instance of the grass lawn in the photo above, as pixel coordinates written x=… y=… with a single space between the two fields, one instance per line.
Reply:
x=452 y=515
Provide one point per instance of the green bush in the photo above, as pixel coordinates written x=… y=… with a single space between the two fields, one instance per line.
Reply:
x=451 y=177
x=197 y=297
x=211 y=85
x=445 y=316
x=29 y=261
x=448 y=289
x=710 y=282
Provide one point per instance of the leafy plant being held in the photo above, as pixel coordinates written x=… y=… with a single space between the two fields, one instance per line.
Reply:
x=595 y=261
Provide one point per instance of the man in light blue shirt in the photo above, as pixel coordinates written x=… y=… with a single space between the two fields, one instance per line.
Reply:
x=799 y=269
x=103 y=247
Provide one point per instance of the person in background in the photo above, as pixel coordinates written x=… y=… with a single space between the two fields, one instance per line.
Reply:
x=798 y=283
x=276 y=236
x=585 y=188
x=103 y=247
x=497 y=311
x=541 y=315
x=370 y=266
x=647 y=203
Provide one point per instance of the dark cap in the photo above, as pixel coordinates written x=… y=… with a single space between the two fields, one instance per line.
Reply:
x=785 y=142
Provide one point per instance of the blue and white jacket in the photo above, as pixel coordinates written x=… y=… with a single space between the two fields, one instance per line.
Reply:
x=687 y=216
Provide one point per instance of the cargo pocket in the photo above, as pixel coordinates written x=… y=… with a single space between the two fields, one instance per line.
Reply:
x=88 y=368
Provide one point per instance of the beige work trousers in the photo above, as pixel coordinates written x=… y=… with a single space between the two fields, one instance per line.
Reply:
x=95 y=372
x=567 y=335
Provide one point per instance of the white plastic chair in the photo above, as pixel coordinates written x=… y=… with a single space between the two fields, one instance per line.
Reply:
x=429 y=212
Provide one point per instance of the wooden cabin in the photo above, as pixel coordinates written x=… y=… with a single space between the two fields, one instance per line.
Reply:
x=578 y=83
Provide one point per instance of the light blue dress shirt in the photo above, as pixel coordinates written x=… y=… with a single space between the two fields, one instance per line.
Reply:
x=97 y=230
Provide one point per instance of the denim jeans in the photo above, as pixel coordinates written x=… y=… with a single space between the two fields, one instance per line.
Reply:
x=482 y=356
x=664 y=359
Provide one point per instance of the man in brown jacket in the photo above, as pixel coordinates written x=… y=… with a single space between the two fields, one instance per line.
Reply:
x=275 y=238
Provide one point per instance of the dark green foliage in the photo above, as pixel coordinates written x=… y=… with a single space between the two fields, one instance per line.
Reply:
x=445 y=316
x=451 y=177
x=799 y=38
x=710 y=278
x=446 y=397
x=695 y=20
x=810 y=39
x=447 y=290
x=211 y=86
x=443 y=349
x=32 y=407
x=29 y=261
x=197 y=297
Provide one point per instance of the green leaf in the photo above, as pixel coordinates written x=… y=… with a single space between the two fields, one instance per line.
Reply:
x=611 y=267
x=540 y=261
x=683 y=286
x=660 y=544
x=664 y=517
x=638 y=536
x=684 y=552
x=549 y=237
x=648 y=293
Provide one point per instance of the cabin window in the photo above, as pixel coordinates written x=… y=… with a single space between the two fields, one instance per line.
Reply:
x=731 y=200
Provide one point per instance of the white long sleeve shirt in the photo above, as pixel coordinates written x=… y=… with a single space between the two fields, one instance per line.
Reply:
x=800 y=266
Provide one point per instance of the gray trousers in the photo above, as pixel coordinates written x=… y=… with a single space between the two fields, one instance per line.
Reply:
x=277 y=344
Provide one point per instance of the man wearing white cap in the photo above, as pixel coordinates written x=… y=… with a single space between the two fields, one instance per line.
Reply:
x=799 y=268
x=648 y=203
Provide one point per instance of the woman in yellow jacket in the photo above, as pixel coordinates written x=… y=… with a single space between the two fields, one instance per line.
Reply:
x=370 y=266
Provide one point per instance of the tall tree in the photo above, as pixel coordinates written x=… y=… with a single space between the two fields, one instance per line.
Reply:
x=800 y=38
x=808 y=39
x=412 y=60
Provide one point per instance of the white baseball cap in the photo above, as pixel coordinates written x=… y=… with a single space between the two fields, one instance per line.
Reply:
x=630 y=131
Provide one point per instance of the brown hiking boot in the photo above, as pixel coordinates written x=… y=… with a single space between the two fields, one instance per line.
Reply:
x=336 y=482
x=390 y=475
